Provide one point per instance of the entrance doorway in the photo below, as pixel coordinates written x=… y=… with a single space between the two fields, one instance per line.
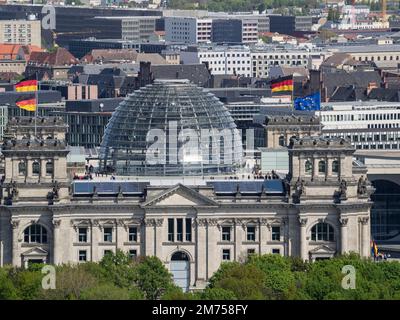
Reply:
x=180 y=269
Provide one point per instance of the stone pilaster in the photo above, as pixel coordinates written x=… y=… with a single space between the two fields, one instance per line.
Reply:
x=343 y=235
x=56 y=241
x=303 y=238
x=16 y=256
x=150 y=225
x=264 y=235
x=158 y=237
x=365 y=236
x=201 y=251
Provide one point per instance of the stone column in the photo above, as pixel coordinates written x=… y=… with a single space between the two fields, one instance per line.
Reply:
x=29 y=171
x=95 y=236
x=201 y=251
x=42 y=169
x=365 y=237
x=149 y=237
x=264 y=235
x=214 y=256
x=328 y=168
x=285 y=223
x=16 y=257
x=120 y=235
x=56 y=240
x=158 y=237
x=315 y=167
x=303 y=238
x=238 y=234
x=343 y=235
x=15 y=173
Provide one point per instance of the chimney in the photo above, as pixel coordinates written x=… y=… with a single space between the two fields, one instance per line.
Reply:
x=371 y=85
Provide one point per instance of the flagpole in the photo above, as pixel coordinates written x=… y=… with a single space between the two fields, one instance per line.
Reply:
x=37 y=100
x=292 y=94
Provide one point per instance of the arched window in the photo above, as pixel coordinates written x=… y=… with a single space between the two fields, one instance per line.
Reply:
x=35 y=168
x=35 y=233
x=322 y=167
x=308 y=167
x=335 y=166
x=22 y=168
x=282 y=141
x=322 y=232
x=49 y=167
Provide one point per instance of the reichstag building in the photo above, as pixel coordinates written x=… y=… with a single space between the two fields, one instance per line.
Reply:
x=320 y=209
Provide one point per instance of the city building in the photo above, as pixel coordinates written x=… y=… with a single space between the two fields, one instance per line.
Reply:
x=367 y=124
x=319 y=211
x=189 y=30
x=139 y=28
x=73 y=91
x=86 y=120
x=234 y=31
x=80 y=47
x=26 y=32
x=221 y=60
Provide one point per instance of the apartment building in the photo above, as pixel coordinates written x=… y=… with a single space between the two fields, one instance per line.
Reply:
x=221 y=60
x=188 y=29
x=25 y=32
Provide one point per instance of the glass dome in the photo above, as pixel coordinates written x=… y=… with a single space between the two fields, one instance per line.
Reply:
x=171 y=128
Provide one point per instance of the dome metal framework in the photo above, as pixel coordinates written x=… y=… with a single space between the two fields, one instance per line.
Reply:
x=171 y=128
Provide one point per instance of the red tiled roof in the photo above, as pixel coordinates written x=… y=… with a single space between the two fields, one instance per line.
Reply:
x=60 y=57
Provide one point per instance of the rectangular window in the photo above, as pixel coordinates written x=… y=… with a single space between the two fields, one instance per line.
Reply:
x=276 y=233
x=226 y=233
x=171 y=230
x=82 y=234
x=226 y=254
x=133 y=253
x=276 y=251
x=251 y=233
x=188 y=236
x=82 y=255
x=179 y=229
x=250 y=252
x=132 y=234
x=107 y=234
x=107 y=252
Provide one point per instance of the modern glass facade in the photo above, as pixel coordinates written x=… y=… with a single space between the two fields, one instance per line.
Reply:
x=385 y=212
x=171 y=128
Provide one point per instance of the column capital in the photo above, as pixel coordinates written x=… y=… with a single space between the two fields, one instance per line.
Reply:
x=343 y=221
x=363 y=220
x=14 y=223
x=303 y=221
x=56 y=223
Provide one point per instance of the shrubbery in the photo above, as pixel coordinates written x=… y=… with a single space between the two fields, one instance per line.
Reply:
x=117 y=277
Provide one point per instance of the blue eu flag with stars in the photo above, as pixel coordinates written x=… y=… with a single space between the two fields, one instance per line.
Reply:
x=308 y=103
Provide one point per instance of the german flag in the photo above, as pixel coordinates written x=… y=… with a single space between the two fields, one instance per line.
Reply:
x=26 y=85
x=27 y=102
x=282 y=84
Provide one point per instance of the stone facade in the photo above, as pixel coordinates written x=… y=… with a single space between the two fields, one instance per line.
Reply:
x=312 y=215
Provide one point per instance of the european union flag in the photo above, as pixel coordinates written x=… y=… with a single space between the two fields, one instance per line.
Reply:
x=308 y=103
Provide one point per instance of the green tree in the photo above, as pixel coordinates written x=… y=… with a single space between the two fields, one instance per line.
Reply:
x=245 y=281
x=153 y=278
x=7 y=288
x=218 y=294
x=105 y=292
x=119 y=268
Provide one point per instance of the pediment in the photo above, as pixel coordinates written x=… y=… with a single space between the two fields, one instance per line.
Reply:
x=323 y=249
x=34 y=252
x=180 y=195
